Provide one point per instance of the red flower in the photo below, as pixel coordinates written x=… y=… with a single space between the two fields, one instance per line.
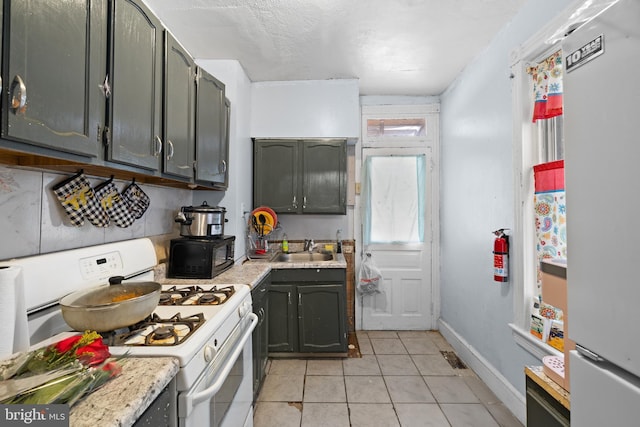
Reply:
x=112 y=368
x=94 y=353
x=67 y=344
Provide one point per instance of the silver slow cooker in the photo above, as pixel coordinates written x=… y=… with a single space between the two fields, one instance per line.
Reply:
x=202 y=221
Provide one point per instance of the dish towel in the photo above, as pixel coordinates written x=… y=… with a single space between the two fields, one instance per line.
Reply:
x=78 y=200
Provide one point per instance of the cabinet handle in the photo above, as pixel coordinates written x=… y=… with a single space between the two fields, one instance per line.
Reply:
x=224 y=166
x=18 y=95
x=295 y=203
x=170 y=151
x=289 y=296
x=106 y=87
x=157 y=149
x=300 y=299
x=304 y=202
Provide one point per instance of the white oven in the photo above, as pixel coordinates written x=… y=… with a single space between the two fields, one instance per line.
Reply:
x=222 y=396
x=207 y=328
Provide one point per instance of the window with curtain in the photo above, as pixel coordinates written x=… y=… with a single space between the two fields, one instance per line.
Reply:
x=547 y=87
x=549 y=192
x=550 y=212
x=394 y=188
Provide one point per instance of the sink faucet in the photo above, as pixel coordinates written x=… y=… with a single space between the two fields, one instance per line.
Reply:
x=309 y=245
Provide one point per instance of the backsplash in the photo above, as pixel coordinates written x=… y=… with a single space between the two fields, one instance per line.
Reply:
x=33 y=221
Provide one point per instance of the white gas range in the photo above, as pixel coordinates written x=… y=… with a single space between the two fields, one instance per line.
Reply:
x=206 y=327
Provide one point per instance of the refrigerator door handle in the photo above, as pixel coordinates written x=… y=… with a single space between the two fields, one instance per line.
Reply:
x=589 y=354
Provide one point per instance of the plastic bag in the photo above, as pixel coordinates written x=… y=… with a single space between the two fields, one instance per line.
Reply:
x=369 y=277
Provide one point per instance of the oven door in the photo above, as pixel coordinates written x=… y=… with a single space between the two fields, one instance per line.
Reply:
x=222 y=396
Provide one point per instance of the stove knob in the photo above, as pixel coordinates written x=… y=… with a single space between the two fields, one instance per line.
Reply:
x=209 y=352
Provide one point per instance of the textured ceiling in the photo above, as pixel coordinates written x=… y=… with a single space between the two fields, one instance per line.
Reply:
x=394 y=47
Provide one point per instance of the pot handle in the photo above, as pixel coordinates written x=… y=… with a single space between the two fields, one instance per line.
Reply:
x=116 y=280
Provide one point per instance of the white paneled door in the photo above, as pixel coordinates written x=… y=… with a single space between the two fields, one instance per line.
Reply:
x=397 y=230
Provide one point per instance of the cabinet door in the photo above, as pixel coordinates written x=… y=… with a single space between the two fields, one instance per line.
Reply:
x=325 y=177
x=179 y=105
x=322 y=319
x=282 y=318
x=56 y=64
x=136 y=85
x=276 y=177
x=260 y=298
x=210 y=128
x=221 y=180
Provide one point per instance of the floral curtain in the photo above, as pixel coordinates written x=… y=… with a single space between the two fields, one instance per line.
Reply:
x=547 y=87
x=550 y=212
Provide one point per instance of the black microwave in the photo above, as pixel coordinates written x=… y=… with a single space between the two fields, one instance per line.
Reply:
x=191 y=258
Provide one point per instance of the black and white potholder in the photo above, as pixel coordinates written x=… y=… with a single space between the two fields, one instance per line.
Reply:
x=114 y=205
x=78 y=200
x=137 y=200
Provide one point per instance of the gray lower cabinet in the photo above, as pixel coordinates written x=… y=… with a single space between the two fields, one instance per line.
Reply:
x=179 y=106
x=212 y=135
x=135 y=107
x=307 y=311
x=300 y=176
x=260 y=299
x=56 y=62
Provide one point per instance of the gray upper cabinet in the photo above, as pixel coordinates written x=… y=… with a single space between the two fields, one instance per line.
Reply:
x=179 y=106
x=102 y=84
x=324 y=179
x=211 y=131
x=56 y=63
x=301 y=176
x=276 y=175
x=135 y=113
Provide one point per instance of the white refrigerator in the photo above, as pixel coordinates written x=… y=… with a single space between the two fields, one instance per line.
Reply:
x=602 y=175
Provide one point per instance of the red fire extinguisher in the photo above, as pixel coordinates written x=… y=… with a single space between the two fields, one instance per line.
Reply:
x=501 y=256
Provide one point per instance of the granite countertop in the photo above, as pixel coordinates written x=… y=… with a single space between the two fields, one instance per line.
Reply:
x=122 y=400
x=338 y=262
x=251 y=272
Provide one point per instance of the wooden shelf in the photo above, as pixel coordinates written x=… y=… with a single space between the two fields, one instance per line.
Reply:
x=92 y=167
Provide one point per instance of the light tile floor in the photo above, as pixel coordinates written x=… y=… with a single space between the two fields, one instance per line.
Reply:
x=402 y=380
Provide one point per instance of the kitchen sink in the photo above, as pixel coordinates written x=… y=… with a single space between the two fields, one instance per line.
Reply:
x=303 y=257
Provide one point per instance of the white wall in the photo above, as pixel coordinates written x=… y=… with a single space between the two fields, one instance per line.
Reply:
x=306 y=108
x=477 y=198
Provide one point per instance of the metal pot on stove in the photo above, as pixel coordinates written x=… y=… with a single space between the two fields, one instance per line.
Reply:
x=202 y=221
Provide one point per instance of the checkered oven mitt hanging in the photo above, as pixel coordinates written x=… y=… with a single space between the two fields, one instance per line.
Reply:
x=137 y=200
x=114 y=205
x=78 y=200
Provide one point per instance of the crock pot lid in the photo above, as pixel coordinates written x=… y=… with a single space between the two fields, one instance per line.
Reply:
x=204 y=207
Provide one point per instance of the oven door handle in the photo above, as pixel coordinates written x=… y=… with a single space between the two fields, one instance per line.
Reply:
x=224 y=371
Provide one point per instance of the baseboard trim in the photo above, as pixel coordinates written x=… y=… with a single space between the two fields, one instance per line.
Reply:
x=498 y=384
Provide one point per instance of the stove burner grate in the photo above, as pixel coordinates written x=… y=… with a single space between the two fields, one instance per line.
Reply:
x=156 y=331
x=196 y=295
